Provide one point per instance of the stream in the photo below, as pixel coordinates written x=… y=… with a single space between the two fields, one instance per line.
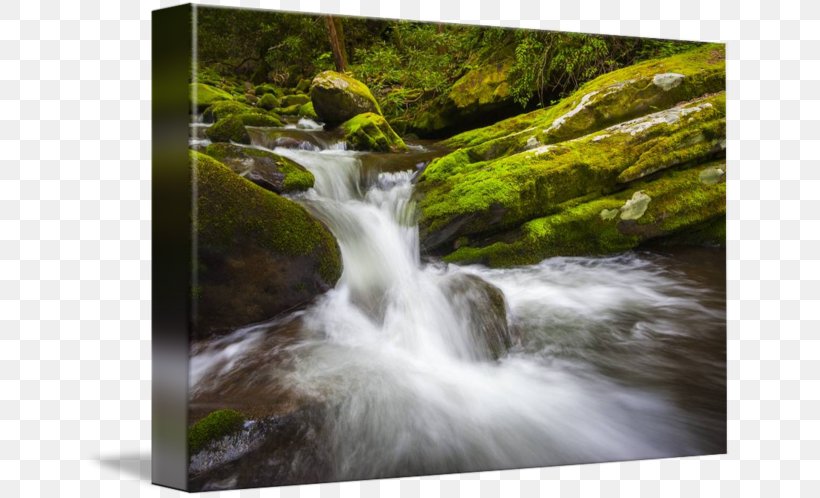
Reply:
x=413 y=366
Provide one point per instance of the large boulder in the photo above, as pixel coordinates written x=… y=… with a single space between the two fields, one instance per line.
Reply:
x=259 y=254
x=371 y=132
x=202 y=96
x=624 y=132
x=232 y=128
x=481 y=96
x=264 y=168
x=337 y=97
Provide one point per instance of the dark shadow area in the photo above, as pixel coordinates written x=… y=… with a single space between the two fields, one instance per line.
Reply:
x=134 y=465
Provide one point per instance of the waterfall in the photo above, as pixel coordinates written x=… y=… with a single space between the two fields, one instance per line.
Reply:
x=405 y=354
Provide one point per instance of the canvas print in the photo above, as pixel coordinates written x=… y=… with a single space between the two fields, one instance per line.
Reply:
x=423 y=248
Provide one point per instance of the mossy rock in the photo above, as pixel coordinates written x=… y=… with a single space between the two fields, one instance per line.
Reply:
x=307 y=111
x=232 y=128
x=269 y=101
x=259 y=254
x=303 y=86
x=202 y=96
x=462 y=195
x=268 y=88
x=292 y=110
x=295 y=99
x=227 y=108
x=676 y=207
x=214 y=426
x=264 y=168
x=611 y=98
x=371 y=132
x=337 y=97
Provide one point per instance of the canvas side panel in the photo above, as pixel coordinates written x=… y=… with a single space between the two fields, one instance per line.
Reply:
x=172 y=243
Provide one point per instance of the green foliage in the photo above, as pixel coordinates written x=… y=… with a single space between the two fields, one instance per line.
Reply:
x=215 y=426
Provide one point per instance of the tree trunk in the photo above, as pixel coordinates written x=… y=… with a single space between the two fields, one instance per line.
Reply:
x=337 y=42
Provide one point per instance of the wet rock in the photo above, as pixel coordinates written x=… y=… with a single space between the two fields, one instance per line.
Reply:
x=260 y=254
x=485 y=313
x=264 y=168
x=232 y=128
x=371 y=132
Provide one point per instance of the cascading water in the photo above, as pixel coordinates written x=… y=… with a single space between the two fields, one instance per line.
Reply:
x=603 y=358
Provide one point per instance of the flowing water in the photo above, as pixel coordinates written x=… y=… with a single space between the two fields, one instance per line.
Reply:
x=411 y=366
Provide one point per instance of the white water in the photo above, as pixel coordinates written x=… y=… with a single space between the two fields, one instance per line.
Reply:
x=394 y=355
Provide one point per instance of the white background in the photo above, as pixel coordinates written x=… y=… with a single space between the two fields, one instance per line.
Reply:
x=75 y=248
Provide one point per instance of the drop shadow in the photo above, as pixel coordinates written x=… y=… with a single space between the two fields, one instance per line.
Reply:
x=133 y=465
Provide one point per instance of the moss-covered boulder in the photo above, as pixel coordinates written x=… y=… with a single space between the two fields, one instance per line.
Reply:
x=679 y=206
x=232 y=128
x=460 y=196
x=259 y=254
x=264 y=168
x=295 y=99
x=480 y=96
x=307 y=111
x=611 y=98
x=202 y=96
x=644 y=123
x=226 y=108
x=337 y=97
x=292 y=110
x=214 y=426
x=266 y=88
x=269 y=101
x=371 y=132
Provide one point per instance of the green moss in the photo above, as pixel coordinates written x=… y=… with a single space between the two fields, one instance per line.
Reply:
x=213 y=427
x=227 y=108
x=369 y=131
x=306 y=111
x=292 y=110
x=678 y=203
x=486 y=84
x=295 y=99
x=267 y=88
x=232 y=128
x=279 y=173
x=611 y=98
x=269 y=101
x=490 y=195
x=203 y=95
x=234 y=211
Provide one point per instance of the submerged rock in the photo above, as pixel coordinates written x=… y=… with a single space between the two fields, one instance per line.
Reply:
x=371 y=132
x=337 y=97
x=264 y=168
x=260 y=254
